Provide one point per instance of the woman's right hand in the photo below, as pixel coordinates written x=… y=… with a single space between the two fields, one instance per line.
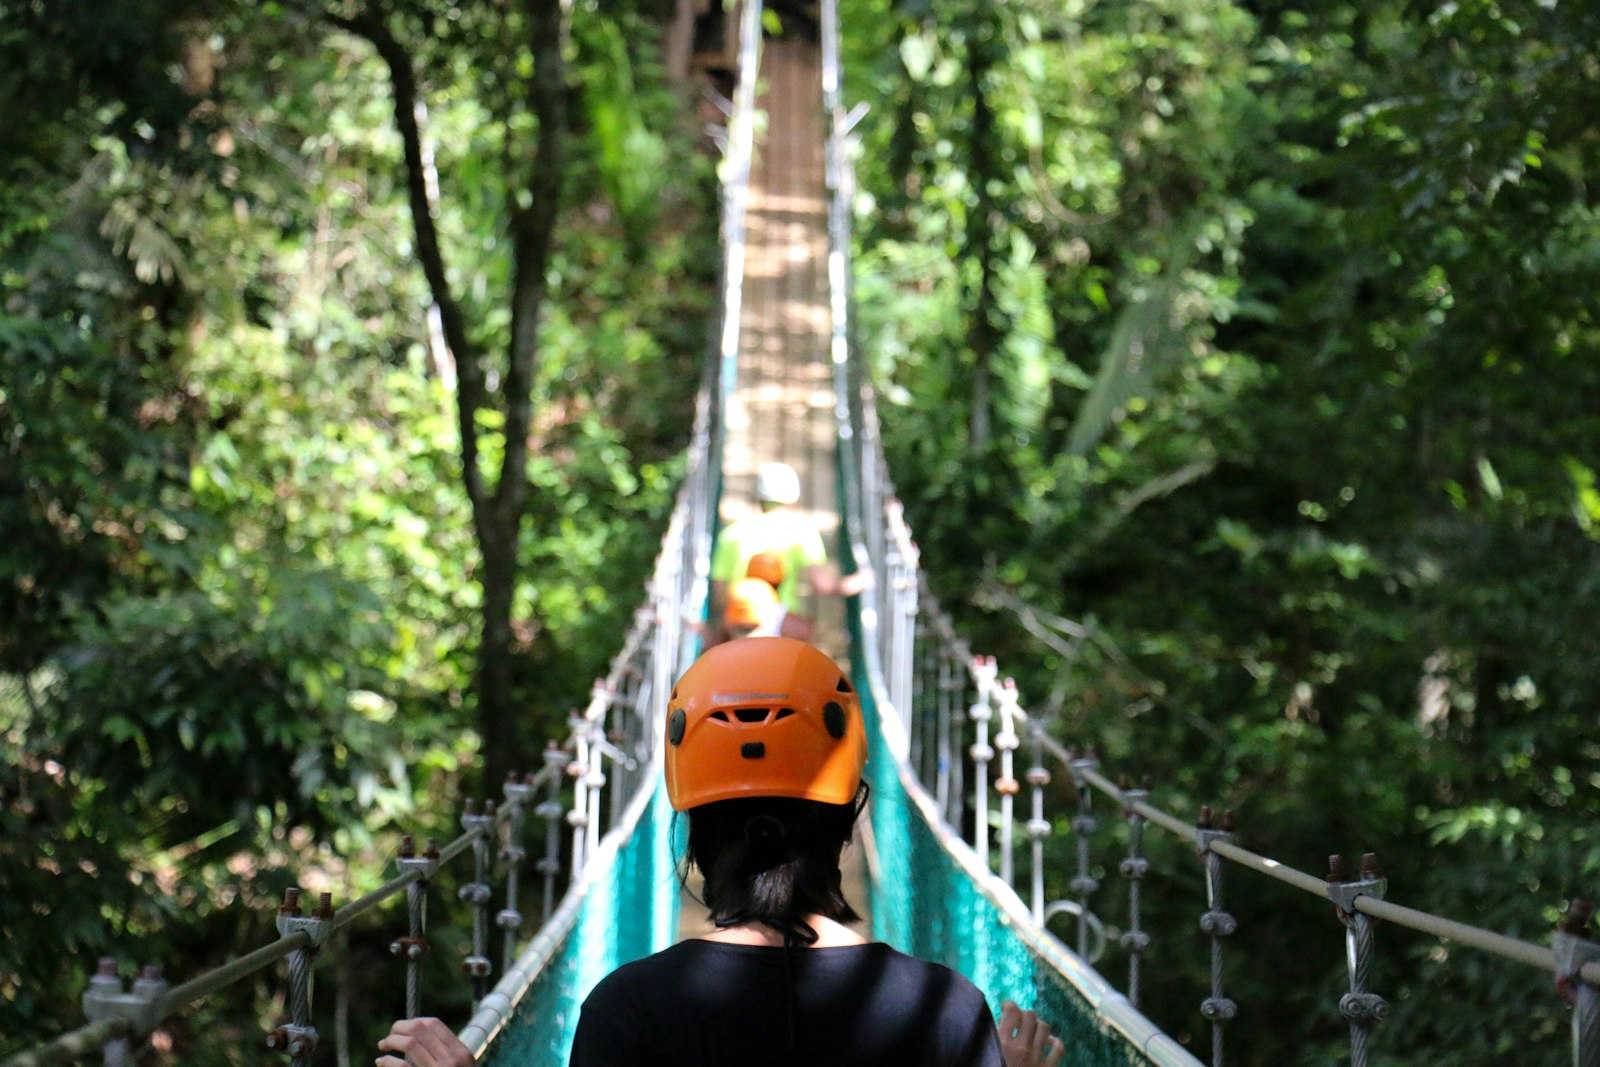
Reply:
x=1026 y=1039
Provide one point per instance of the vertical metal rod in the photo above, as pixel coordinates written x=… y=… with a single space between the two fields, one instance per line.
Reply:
x=1006 y=785
x=509 y=918
x=958 y=729
x=1574 y=948
x=476 y=966
x=983 y=674
x=1360 y=1007
x=1084 y=824
x=414 y=946
x=578 y=816
x=550 y=811
x=947 y=706
x=1217 y=924
x=1134 y=868
x=1038 y=825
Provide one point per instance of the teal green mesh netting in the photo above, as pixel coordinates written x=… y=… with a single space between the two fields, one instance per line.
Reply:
x=924 y=904
x=630 y=911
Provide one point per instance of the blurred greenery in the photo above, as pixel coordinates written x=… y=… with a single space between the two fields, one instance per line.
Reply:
x=241 y=588
x=1239 y=372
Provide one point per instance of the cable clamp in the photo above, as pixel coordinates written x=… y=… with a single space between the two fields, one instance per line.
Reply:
x=1134 y=867
x=1135 y=940
x=1218 y=923
x=1038 y=828
x=1363 y=1007
x=509 y=919
x=476 y=966
x=1084 y=885
x=1218 y=1009
x=474 y=892
x=106 y=999
x=316 y=928
x=1344 y=894
x=297 y=1041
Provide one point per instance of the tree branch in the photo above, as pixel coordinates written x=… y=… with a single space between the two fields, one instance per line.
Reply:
x=409 y=117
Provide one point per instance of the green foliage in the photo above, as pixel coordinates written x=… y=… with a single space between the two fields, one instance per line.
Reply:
x=1297 y=513
x=238 y=607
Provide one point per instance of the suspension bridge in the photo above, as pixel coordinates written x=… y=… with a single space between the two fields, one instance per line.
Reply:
x=573 y=873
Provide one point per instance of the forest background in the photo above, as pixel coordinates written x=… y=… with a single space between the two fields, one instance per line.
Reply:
x=1271 y=330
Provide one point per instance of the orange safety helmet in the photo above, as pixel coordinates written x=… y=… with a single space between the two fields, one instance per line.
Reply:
x=764 y=717
x=768 y=566
x=751 y=602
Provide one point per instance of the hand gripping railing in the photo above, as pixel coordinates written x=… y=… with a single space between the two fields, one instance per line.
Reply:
x=963 y=725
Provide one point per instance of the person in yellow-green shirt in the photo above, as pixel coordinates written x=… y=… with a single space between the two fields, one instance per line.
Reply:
x=780 y=531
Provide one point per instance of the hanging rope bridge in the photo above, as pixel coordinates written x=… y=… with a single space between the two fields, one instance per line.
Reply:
x=952 y=806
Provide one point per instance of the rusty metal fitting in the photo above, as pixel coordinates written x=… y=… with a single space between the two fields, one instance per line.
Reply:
x=106 y=999
x=426 y=864
x=316 y=926
x=291 y=902
x=409 y=948
x=1205 y=832
x=297 y=1041
x=1009 y=787
x=1343 y=892
x=476 y=967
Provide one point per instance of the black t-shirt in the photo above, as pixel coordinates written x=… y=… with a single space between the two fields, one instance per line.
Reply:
x=711 y=1004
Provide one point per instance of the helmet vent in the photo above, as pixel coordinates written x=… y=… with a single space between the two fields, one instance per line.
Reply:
x=844 y=685
x=833 y=719
x=783 y=713
x=720 y=716
x=752 y=715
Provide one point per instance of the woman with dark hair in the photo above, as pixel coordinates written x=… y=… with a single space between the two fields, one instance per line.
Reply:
x=765 y=748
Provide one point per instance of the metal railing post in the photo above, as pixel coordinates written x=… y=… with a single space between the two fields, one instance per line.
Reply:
x=983 y=673
x=476 y=967
x=1363 y=1009
x=298 y=1037
x=414 y=946
x=1573 y=949
x=1134 y=868
x=1084 y=824
x=1038 y=825
x=1217 y=924
x=509 y=919
x=549 y=809
x=1006 y=785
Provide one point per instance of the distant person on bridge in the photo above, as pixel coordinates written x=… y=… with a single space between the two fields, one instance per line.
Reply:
x=754 y=610
x=784 y=534
x=765 y=749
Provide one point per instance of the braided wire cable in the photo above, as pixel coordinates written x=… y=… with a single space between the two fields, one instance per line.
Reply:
x=1358 y=944
x=1586 y=1025
x=1218 y=924
x=416 y=906
x=300 y=979
x=1134 y=868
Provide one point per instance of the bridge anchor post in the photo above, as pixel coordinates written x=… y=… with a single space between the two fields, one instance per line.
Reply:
x=1217 y=924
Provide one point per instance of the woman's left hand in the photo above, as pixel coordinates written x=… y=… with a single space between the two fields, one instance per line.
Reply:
x=1026 y=1040
x=423 y=1042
